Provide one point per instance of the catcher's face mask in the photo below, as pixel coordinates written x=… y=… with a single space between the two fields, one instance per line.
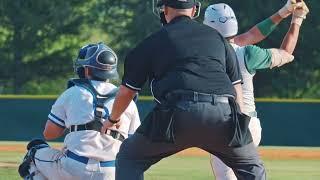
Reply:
x=158 y=7
x=158 y=10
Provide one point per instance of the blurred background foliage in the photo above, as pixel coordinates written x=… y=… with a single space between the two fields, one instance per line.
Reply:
x=39 y=39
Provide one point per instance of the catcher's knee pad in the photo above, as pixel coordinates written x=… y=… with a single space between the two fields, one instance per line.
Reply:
x=32 y=148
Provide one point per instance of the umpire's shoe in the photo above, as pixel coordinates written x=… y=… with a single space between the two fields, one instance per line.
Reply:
x=32 y=148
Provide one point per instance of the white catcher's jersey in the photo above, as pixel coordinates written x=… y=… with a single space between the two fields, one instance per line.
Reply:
x=75 y=106
x=247 y=86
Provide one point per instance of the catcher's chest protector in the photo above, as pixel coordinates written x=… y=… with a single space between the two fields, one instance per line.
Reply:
x=98 y=99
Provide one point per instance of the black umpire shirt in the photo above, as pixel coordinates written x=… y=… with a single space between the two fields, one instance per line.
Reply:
x=184 y=55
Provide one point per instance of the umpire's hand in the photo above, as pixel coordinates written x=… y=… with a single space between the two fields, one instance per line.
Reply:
x=121 y=102
x=109 y=124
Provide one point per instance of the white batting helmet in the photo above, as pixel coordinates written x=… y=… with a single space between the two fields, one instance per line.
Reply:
x=222 y=18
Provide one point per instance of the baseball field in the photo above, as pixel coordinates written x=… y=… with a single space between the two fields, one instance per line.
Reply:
x=282 y=163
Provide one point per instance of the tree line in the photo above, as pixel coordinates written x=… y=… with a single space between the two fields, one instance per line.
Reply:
x=40 y=39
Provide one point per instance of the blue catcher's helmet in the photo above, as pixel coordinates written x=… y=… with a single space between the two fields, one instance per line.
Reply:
x=101 y=59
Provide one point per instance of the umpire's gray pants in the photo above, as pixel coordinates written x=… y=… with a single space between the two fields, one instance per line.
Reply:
x=203 y=125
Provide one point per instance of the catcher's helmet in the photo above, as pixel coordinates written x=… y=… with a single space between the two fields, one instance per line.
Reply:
x=101 y=59
x=222 y=18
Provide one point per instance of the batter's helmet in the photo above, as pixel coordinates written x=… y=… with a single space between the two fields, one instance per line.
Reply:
x=101 y=59
x=222 y=18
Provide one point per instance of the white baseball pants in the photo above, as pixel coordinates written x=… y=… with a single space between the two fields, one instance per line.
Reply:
x=222 y=171
x=52 y=164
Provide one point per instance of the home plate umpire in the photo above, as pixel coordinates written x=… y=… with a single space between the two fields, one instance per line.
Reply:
x=195 y=78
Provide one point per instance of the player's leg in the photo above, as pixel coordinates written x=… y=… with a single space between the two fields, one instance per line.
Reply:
x=36 y=173
x=51 y=163
x=255 y=130
x=244 y=161
x=43 y=162
x=94 y=169
x=193 y=123
x=27 y=168
x=55 y=164
x=220 y=170
x=105 y=173
x=137 y=154
x=237 y=151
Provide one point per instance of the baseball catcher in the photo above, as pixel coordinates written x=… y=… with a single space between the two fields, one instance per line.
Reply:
x=251 y=58
x=81 y=110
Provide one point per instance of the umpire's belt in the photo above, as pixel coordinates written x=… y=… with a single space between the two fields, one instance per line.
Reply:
x=182 y=95
x=85 y=160
x=84 y=127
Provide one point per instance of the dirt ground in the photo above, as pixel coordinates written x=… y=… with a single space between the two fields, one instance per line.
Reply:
x=268 y=153
x=16 y=147
x=8 y=165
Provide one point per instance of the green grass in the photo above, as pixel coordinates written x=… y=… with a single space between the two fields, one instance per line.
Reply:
x=11 y=157
x=198 y=168
x=190 y=168
x=293 y=169
x=9 y=174
x=178 y=167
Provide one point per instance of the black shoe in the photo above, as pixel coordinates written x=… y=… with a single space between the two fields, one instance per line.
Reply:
x=32 y=148
x=25 y=165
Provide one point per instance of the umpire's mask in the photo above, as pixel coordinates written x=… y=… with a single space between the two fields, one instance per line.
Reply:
x=158 y=7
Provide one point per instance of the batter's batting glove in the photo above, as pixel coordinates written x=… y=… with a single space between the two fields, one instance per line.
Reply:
x=289 y=7
x=300 y=14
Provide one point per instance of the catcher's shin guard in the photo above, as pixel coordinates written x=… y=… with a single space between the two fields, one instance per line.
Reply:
x=32 y=148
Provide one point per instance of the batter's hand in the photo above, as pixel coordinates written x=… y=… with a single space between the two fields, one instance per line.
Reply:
x=300 y=14
x=289 y=7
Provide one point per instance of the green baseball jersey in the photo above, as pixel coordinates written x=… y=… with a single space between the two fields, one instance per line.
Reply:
x=250 y=59
x=257 y=58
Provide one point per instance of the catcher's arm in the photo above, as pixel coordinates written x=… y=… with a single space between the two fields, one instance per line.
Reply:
x=52 y=131
x=260 y=31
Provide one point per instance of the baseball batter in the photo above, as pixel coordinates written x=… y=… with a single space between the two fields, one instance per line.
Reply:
x=251 y=58
x=81 y=109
